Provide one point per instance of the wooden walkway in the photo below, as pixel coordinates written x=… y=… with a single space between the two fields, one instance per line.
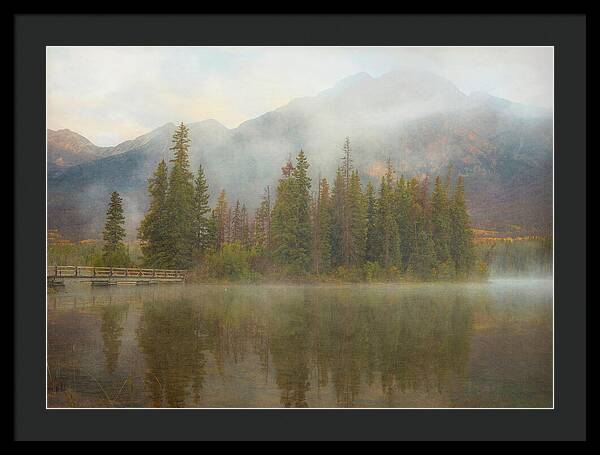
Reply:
x=56 y=274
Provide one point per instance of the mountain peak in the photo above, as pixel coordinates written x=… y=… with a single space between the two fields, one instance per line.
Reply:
x=414 y=78
x=69 y=138
x=346 y=83
x=208 y=123
x=357 y=78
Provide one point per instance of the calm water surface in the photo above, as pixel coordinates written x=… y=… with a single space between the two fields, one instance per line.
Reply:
x=415 y=345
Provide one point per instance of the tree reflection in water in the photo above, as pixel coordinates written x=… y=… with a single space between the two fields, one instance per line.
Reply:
x=170 y=335
x=113 y=317
x=308 y=340
x=303 y=346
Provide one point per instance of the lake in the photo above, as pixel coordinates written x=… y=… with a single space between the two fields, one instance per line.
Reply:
x=267 y=346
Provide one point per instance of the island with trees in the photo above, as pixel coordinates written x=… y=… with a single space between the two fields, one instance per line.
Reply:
x=403 y=229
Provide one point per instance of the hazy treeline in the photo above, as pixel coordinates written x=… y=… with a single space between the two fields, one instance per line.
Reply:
x=340 y=229
x=87 y=253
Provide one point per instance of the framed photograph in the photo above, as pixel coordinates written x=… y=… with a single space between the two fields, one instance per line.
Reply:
x=371 y=231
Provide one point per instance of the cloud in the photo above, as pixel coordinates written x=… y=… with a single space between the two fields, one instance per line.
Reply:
x=110 y=94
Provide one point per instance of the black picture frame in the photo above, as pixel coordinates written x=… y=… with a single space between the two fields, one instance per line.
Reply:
x=567 y=33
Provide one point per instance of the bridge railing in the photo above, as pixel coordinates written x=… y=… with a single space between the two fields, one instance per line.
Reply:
x=71 y=271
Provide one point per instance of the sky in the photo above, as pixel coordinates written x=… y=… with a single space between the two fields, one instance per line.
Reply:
x=112 y=94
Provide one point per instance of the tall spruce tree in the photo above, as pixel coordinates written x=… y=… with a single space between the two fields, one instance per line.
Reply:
x=180 y=203
x=322 y=229
x=220 y=214
x=338 y=200
x=283 y=218
x=415 y=220
x=402 y=202
x=423 y=260
x=302 y=183
x=358 y=217
x=201 y=218
x=387 y=226
x=262 y=222
x=245 y=229
x=441 y=227
x=291 y=217
x=461 y=241
x=114 y=251
x=154 y=227
x=346 y=222
x=372 y=250
x=211 y=233
x=236 y=223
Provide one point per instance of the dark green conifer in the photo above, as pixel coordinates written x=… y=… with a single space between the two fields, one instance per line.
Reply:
x=114 y=251
x=201 y=218
x=154 y=227
x=180 y=204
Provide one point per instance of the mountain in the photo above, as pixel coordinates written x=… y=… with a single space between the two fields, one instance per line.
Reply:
x=67 y=148
x=420 y=121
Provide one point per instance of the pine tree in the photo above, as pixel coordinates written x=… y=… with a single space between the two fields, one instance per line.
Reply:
x=402 y=201
x=358 y=216
x=154 y=227
x=347 y=246
x=423 y=260
x=229 y=237
x=180 y=203
x=322 y=229
x=461 y=242
x=302 y=184
x=114 y=252
x=387 y=226
x=236 y=224
x=338 y=200
x=372 y=247
x=415 y=223
x=262 y=223
x=220 y=215
x=201 y=220
x=245 y=229
x=422 y=199
x=283 y=216
x=291 y=216
x=440 y=226
x=211 y=233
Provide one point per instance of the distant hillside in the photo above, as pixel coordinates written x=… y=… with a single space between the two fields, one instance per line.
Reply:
x=67 y=148
x=420 y=121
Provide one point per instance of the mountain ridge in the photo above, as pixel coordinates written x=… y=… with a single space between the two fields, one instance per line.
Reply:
x=492 y=142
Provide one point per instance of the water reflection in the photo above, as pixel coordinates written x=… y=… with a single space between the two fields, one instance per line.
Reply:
x=171 y=339
x=308 y=346
x=113 y=317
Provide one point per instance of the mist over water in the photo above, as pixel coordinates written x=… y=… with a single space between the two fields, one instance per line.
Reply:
x=414 y=345
x=527 y=259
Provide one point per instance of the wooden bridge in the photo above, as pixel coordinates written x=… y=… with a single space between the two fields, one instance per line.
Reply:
x=106 y=276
